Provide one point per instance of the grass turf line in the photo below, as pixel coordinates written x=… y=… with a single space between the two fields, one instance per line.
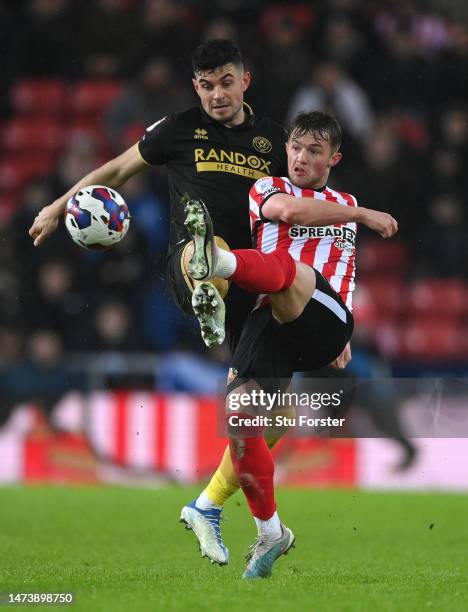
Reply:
x=122 y=549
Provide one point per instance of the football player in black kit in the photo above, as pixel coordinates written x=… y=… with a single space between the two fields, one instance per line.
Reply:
x=214 y=152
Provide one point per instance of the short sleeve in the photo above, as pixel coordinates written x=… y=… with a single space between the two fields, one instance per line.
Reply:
x=156 y=144
x=264 y=188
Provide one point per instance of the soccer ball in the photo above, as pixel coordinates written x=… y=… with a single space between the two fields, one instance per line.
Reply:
x=97 y=217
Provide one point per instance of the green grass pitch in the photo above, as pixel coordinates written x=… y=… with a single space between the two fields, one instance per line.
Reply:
x=122 y=549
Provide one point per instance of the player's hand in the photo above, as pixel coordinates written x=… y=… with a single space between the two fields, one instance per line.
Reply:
x=381 y=222
x=44 y=225
x=342 y=360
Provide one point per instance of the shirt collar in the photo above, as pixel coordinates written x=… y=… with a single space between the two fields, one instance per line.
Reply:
x=320 y=189
x=248 y=121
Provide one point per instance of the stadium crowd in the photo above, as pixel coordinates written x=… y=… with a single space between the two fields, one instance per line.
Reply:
x=392 y=73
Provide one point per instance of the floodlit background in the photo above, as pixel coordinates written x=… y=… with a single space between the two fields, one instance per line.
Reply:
x=101 y=378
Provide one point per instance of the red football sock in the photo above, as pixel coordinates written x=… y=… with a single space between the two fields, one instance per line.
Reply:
x=264 y=272
x=254 y=467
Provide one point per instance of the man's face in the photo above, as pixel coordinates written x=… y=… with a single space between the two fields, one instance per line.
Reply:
x=221 y=93
x=310 y=160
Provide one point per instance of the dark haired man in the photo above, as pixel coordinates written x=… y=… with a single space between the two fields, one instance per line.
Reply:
x=215 y=152
x=302 y=267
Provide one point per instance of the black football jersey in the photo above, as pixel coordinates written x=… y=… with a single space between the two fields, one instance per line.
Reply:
x=216 y=164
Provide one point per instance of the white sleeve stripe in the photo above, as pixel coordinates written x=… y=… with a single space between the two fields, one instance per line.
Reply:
x=254 y=207
x=330 y=303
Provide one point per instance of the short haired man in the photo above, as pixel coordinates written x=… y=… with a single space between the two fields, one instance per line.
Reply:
x=302 y=267
x=215 y=151
x=219 y=147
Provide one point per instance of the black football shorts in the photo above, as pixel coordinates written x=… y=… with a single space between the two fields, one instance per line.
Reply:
x=268 y=350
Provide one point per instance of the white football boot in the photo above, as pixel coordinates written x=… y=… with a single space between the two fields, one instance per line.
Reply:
x=200 y=228
x=265 y=551
x=205 y=524
x=207 y=303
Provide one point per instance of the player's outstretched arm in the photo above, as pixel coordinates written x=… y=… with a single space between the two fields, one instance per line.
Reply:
x=381 y=222
x=309 y=211
x=112 y=174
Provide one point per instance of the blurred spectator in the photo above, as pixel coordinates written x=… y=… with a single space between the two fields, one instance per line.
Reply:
x=284 y=56
x=44 y=376
x=44 y=44
x=11 y=346
x=78 y=159
x=24 y=258
x=56 y=304
x=427 y=32
x=397 y=75
x=150 y=215
x=221 y=27
x=442 y=248
x=103 y=50
x=342 y=41
x=454 y=129
x=392 y=72
x=451 y=89
x=331 y=90
x=166 y=327
x=385 y=158
x=164 y=29
x=447 y=171
x=155 y=93
x=122 y=268
x=113 y=329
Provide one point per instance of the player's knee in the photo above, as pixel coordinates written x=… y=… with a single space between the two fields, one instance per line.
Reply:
x=305 y=279
x=221 y=243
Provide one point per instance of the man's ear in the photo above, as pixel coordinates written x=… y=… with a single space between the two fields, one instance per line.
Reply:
x=246 y=80
x=196 y=85
x=335 y=159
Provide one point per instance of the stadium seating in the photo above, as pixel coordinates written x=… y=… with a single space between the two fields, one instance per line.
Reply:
x=88 y=127
x=387 y=294
x=377 y=256
x=443 y=298
x=88 y=98
x=31 y=134
x=39 y=97
x=430 y=340
x=17 y=171
x=9 y=201
x=47 y=113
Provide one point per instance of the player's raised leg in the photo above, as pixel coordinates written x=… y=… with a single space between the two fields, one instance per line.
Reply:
x=207 y=302
x=289 y=283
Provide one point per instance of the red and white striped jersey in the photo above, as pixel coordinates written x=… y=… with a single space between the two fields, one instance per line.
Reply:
x=329 y=249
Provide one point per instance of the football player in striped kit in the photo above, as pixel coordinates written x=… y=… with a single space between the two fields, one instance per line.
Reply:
x=302 y=268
